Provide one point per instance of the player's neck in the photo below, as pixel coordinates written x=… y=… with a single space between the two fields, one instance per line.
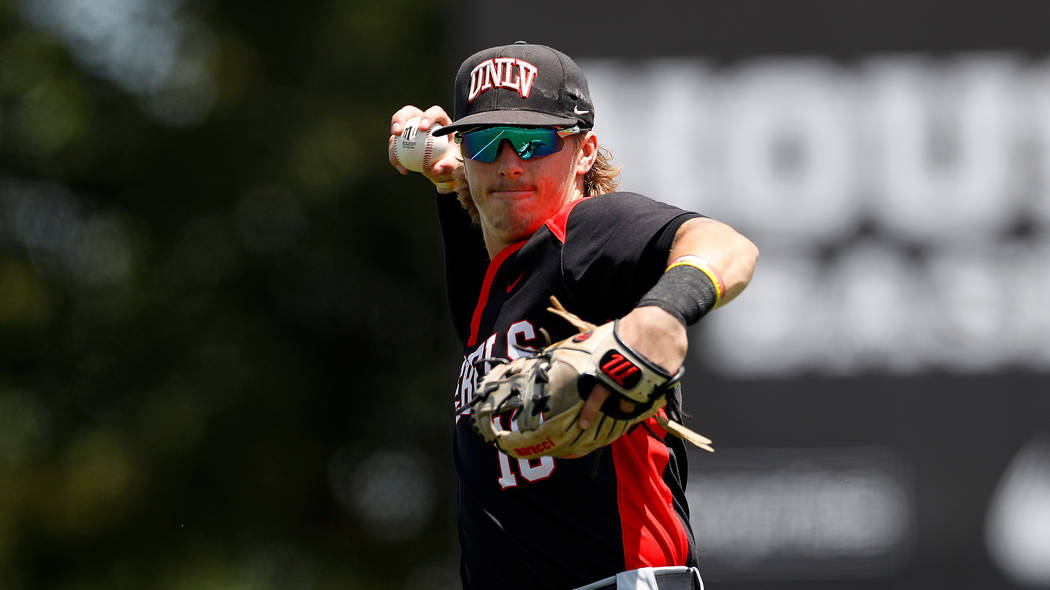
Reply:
x=494 y=245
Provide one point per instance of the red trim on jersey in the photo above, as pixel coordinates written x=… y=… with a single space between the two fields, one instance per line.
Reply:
x=486 y=286
x=653 y=534
x=556 y=223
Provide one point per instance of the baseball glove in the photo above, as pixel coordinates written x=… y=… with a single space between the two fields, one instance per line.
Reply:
x=541 y=396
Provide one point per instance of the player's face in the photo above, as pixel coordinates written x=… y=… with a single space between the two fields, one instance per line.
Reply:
x=514 y=196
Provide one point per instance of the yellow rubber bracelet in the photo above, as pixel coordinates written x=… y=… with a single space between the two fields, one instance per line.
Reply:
x=706 y=268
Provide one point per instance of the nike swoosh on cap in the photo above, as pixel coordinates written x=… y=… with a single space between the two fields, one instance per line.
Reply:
x=577 y=111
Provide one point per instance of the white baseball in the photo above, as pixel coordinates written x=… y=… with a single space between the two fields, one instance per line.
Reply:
x=417 y=149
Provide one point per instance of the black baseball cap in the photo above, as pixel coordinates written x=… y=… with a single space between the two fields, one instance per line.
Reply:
x=520 y=84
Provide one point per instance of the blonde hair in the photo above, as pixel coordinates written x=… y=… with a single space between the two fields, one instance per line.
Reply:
x=602 y=178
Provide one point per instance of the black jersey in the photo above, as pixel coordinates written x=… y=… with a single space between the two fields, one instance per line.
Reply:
x=560 y=523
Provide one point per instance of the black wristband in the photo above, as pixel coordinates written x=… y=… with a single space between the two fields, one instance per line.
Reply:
x=684 y=291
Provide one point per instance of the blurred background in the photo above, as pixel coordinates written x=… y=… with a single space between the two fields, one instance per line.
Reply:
x=225 y=357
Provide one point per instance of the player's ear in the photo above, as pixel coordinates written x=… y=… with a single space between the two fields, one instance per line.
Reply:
x=588 y=152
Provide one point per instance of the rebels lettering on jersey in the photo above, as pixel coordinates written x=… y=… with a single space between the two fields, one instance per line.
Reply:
x=519 y=340
x=469 y=376
x=502 y=72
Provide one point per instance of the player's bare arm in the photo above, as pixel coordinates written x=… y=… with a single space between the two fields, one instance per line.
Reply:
x=729 y=253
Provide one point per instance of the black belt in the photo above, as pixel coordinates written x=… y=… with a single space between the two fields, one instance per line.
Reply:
x=671 y=578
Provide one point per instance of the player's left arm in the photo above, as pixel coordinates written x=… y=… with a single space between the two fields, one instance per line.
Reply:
x=706 y=245
x=731 y=254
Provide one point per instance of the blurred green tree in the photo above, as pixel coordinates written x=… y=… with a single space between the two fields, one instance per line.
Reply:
x=210 y=285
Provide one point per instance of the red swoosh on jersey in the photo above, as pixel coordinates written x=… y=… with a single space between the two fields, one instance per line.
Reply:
x=511 y=286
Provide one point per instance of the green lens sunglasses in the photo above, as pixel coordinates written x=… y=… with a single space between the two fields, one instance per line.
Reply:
x=482 y=145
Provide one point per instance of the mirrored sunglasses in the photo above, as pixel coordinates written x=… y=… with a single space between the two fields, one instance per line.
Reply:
x=482 y=145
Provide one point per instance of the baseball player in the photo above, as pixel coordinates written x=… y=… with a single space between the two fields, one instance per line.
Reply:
x=527 y=209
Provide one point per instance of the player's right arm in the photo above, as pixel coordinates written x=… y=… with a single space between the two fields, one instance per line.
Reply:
x=465 y=256
x=444 y=171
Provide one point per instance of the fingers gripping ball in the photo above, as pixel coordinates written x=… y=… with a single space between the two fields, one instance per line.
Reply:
x=418 y=150
x=543 y=394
